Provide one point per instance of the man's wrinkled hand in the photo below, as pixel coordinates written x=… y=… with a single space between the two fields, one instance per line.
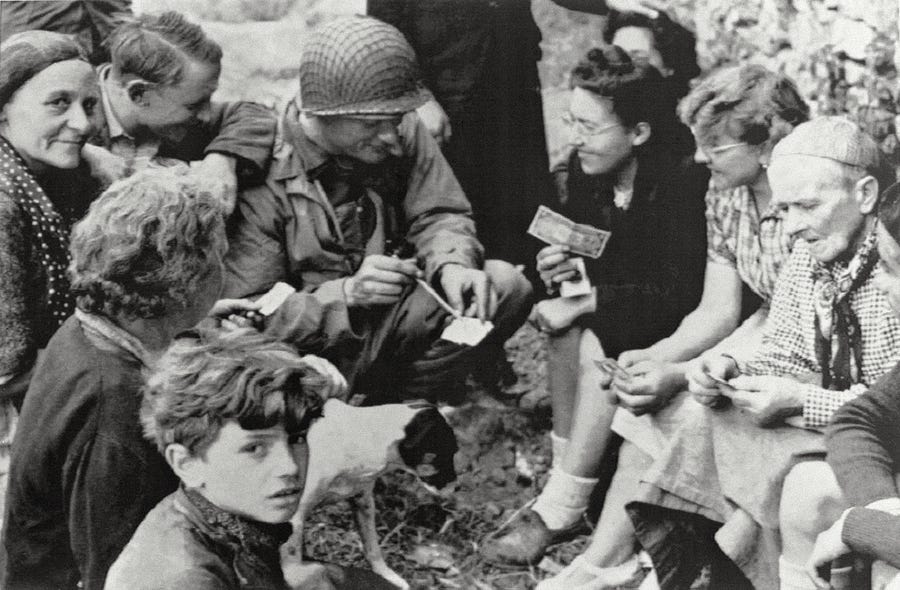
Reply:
x=217 y=174
x=380 y=280
x=766 y=398
x=469 y=291
x=829 y=546
x=333 y=383
x=436 y=121
x=103 y=164
x=651 y=386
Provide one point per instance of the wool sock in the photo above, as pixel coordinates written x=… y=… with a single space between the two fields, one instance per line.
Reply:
x=793 y=576
x=558 y=446
x=564 y=498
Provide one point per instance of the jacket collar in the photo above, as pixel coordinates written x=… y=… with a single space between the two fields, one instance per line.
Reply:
x=296 y=155
x=257 y=538
x=253 y=545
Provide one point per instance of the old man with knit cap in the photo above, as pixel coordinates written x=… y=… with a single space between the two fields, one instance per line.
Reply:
x=359 y=214
x=754 y=460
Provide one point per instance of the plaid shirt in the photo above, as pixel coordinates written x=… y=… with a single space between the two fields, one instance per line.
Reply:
x=738 y=236
x=788 y=347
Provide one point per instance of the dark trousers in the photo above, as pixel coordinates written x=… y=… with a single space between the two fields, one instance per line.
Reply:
x=681 y=545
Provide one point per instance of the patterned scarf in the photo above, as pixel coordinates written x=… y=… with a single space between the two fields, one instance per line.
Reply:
x=47 y=227
x=838 y=338
x=254 y=544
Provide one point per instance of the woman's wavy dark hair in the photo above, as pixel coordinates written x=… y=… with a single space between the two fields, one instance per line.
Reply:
x=146 y=245
x=676 y=45
x=210 y=377
x=634 y=88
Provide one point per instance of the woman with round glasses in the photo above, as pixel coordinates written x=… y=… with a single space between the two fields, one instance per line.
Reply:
x=623 y=177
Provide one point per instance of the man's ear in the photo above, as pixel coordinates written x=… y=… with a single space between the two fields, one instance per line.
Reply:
x=137 y=91
x=185 y=465
x=866 y=193
x=642 y=133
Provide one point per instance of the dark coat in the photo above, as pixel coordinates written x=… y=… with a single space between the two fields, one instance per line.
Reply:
x=82 y=476
x=651 y=273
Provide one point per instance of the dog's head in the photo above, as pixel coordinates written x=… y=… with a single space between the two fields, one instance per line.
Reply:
x=428 y=446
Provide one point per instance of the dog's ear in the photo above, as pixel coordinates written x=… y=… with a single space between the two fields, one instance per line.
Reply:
x=428 y=447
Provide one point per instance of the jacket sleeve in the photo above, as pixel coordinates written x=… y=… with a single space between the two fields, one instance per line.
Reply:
x=246 y=131
x=311 y=319
x=864 y=443
x=440 y=217
x=102 y=510
x=17 y=346
x=873 y=533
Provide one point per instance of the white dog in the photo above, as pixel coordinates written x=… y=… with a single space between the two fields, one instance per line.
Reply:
x=349 y=447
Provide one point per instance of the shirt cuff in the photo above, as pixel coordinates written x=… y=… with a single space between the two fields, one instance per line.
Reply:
x=820 y=404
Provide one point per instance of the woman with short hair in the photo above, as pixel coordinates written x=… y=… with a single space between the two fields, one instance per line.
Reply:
x=146 y=265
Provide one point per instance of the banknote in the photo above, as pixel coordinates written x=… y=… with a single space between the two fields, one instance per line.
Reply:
x=553 y=228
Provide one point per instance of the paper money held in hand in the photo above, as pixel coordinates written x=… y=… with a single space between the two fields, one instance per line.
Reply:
x=469 y=331
x=553 y=228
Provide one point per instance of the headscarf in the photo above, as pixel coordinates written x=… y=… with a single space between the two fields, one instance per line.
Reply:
x=25 y=54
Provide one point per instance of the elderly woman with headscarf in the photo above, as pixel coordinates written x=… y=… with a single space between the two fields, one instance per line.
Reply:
x=147 y=263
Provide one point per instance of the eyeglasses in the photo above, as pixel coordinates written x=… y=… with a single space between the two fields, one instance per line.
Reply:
x=722 y=148
x=585 y=128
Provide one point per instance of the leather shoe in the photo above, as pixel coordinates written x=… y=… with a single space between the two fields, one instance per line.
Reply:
x=527 y=538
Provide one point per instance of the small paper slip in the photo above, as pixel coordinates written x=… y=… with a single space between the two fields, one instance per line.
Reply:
x=613 y=369
x=469 y=331
x=576 y=288
x=274 y=298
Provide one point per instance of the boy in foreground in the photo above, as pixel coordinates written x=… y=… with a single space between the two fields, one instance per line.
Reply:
x=230 y=413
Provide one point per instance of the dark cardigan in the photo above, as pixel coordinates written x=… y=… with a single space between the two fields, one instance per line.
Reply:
x=651 y=274
x=864 y=452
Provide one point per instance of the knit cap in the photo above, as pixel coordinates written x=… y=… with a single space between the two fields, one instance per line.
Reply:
x=359 y=65
x=833 y=138
x=23 y=55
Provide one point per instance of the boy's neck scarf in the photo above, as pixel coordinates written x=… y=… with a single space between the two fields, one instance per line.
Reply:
x=255 y=545
x=838 y=338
